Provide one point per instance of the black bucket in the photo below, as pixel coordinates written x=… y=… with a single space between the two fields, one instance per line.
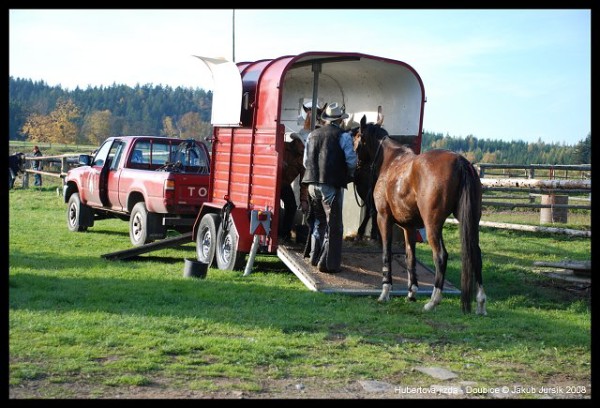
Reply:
x=194 y=269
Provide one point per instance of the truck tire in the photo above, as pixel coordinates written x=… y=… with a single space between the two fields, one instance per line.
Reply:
x=227 y=254
x=138 y=225
x=79 y=216
x=206 y=238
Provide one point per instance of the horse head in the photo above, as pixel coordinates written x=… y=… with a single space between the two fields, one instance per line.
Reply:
x=318 y=121
x=370 y=136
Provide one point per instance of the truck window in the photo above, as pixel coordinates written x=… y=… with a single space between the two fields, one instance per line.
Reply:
x=117 y=152
x=140 y=155
x=102 y=154
x=161 y=153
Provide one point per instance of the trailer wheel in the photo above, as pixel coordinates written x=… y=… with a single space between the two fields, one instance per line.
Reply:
x=227 y=254
x=206 y=239
x=79 y=216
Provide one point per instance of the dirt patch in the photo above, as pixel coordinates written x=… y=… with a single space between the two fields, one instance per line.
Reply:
x=561 y=388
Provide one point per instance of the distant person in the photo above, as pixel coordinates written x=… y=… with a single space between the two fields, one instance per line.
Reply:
x=330 y=162
x=37 y=165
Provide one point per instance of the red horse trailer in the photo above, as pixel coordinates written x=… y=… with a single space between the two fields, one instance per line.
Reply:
x=256 y=106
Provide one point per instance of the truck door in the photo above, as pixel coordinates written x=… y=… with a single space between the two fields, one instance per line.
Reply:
x=105 y=162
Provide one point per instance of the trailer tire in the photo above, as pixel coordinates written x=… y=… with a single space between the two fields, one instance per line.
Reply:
x=206 y=238
x=79 y=216
x=227 y=254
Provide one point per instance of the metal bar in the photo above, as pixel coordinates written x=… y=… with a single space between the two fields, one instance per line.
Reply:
x=153 y=246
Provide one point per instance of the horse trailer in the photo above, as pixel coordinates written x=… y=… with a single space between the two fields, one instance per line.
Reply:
x=256 y=107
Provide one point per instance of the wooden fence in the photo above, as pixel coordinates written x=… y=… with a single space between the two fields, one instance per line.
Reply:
x=556 y=171
x=63 y=162
x=519 y=178
x=552 y=187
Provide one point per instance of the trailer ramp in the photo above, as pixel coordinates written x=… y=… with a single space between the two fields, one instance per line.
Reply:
x=361 y=271
x=153 y=246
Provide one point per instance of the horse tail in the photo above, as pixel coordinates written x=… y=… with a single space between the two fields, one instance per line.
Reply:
x=468 y=215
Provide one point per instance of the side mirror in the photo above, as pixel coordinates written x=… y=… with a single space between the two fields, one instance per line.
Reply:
x=85 y=159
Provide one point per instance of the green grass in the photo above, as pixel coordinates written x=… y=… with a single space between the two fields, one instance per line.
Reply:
x=79 y=321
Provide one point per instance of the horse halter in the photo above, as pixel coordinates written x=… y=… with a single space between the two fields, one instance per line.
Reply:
x=378 y=149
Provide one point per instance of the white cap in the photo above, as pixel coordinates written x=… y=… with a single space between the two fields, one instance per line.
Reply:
x=308 y=104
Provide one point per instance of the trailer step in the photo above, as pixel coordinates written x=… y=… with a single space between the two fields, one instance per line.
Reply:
x=153 y=246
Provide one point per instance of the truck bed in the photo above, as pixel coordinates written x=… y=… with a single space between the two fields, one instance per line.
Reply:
x=361 y=271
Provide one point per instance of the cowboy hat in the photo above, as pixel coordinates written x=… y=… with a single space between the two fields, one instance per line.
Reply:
x=334 y=112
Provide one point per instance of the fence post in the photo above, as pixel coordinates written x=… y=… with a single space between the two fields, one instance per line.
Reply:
x=531 y=173
x=553 y=215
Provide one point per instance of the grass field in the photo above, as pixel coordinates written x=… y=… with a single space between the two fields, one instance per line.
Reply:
x=84 y=327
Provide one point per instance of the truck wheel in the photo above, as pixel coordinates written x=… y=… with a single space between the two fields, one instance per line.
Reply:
x=227 y=254
x=79 y=216
x=206 y=239
x=139 y=223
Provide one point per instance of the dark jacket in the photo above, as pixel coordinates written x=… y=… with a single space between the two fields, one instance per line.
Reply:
x=326 y=162
x=37 y=164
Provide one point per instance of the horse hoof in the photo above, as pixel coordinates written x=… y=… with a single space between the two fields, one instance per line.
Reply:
x=429 y=306
x=411 y=298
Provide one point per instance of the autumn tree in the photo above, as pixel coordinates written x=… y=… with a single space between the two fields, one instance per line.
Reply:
x=64 y=116
x=57 y=127
x=37 y=128
x=191 y=127
x=169 y=128
x=97 y=126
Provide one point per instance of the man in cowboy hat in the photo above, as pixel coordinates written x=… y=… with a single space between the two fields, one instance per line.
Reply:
x=330 y=161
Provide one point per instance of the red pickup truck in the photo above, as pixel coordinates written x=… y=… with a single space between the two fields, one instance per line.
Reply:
x=155 y=183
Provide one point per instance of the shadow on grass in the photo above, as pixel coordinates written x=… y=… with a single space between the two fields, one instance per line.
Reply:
x=226 y=297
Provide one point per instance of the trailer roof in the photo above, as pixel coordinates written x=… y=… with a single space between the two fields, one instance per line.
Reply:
x=269 y=91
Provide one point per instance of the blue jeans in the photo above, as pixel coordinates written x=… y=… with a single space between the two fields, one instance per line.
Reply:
x=37 y=178
x=328 y=230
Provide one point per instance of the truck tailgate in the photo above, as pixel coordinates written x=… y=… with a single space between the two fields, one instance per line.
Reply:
x=192 y=189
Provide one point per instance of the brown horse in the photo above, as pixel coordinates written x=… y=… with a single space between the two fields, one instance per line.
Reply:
x=422 y=190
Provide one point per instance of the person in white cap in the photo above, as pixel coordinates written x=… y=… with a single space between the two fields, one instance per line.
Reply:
x=330 y=162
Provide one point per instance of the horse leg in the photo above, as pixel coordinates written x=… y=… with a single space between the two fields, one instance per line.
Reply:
x=411 y=263
x=361 y=228
x=440 y=259
x=385 y=227
x=375 y=236
x=480 y=297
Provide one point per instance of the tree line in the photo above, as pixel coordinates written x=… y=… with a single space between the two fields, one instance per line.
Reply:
x=49 y=114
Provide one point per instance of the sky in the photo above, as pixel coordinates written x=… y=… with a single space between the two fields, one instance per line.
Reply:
x=498 y=74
